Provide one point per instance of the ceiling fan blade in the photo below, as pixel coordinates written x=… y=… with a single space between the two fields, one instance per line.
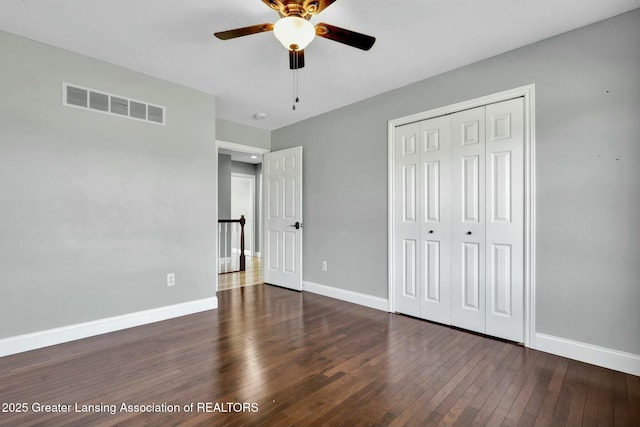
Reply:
x=348 y=37
x=244 y=31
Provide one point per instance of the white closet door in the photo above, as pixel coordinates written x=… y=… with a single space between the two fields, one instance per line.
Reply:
x=406 y=204
x=459 y=219
x=436 y=220
x=468 y=219
x=504 y=222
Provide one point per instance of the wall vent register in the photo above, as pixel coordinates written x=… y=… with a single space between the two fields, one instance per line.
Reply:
x=81 y=97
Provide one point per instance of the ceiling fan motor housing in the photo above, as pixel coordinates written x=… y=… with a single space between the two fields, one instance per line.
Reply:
x=303 y=9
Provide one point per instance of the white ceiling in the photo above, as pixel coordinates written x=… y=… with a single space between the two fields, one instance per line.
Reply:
x=416 y=39
x=239 y=156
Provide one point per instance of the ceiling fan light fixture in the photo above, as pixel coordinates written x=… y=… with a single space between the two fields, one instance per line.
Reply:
x=294 y=33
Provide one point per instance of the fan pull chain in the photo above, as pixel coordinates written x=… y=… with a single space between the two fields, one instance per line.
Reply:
x=296 y=61
x=295 y=89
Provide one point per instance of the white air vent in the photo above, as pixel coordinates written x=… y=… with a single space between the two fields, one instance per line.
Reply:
x=138 y=110
x=81 y=97
x=76 y=96
x=156 y=114
x=98 y=101
x=119 y=106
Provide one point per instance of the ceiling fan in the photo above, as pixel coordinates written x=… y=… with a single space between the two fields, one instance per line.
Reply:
x=295 y=31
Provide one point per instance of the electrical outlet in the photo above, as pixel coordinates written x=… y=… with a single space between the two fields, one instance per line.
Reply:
x=171 y=279
x=324 y=265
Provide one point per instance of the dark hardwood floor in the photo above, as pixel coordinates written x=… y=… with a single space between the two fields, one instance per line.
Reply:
x=298 y=359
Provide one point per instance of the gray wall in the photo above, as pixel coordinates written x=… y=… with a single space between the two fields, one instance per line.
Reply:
x=245 y=168
x=224 y=200
x=242 y=134
x=224 y=186
x=588 y=197
x=97 y=209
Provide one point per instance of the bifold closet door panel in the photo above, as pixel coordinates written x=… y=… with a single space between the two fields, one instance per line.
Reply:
x=436 y=219
x=505 y=219
x=407 y=223
x=468 y=219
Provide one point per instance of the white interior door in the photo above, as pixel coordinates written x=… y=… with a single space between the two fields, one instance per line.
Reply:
x=468 y=222
x=242 y=203
x=505 y=219
x=436 y=219
x=422 y=230
x=407 y=201
x=282 y=175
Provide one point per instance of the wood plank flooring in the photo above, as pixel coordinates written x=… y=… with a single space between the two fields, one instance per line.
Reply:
x=251 y=276
x=305 y=360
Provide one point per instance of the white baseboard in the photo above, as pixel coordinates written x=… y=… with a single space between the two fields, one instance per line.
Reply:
x=600 y=356
x=349 y=296
x=27 y=342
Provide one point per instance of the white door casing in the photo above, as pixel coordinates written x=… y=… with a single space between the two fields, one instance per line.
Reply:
x=282 y=175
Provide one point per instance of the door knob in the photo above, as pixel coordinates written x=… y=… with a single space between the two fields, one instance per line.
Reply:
x=430 y=231
x=297 y=225
x=469 y=233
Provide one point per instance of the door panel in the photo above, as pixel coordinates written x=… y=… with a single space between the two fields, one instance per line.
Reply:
x=431 y=132
x=501 y=187
x=290 y=250
x=273 y=198
x=505 y=223
x=432 y=191
x=283 y=175
x=467 y=227
x=409 y=192
x=432 y=271
x=290 y=210
x=470 y=129
x=501 y=284
x=471 y=276
x=407 y=252
x=470 y=189
x=436 y=212
x=410 y=269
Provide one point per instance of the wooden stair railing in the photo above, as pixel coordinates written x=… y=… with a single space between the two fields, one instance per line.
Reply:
x=241 y=261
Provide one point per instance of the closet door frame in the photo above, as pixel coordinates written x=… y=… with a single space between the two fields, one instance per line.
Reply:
x=528 y=93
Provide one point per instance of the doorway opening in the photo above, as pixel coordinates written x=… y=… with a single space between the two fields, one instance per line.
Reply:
x=240 y=196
